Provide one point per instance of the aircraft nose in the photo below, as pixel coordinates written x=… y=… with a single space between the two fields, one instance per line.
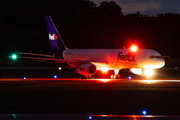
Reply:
x=161 y=62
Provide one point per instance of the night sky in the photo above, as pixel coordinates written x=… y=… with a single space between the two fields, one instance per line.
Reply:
x=147 y=7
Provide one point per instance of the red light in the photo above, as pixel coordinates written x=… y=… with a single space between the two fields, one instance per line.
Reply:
x=134 y=48
x=134 y=116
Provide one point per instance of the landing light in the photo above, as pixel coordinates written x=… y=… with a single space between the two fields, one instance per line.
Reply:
x=134 y=48
x=104 y=70
x=148 y=72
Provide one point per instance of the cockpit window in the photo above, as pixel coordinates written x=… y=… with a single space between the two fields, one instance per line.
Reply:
x=154 y=56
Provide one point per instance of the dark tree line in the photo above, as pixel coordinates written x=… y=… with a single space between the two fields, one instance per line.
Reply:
x=83 y=24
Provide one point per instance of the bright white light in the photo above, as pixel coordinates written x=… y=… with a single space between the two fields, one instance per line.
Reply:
x=24 y=78
x=149 y=81
x=90 y=117
x=55 y=76
x=114 y=76
x=104 y=70
x=134 y=48
x=60 y=68
x=104 y=80
x=148 y=72
x=129 y=77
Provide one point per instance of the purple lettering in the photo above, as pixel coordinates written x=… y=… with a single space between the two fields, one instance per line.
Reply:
x=129 y=57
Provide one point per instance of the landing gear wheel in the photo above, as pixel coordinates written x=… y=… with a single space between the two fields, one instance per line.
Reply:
x=82 y=77
x=86 y=77
x=115 y=76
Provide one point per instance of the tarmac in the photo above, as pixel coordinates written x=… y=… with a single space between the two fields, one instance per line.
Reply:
x=95 y=96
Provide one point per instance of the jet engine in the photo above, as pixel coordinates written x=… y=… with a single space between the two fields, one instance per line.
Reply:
x=86 y=69
x=137 y=71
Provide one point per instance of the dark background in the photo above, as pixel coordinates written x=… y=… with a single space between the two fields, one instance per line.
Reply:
x=83 y=24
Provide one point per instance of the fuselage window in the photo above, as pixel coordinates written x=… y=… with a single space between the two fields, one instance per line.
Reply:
x=152 y=56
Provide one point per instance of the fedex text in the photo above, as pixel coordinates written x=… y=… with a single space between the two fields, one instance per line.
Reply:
x=128 y=57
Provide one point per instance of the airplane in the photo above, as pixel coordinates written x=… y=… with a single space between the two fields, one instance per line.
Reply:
x=87 y=61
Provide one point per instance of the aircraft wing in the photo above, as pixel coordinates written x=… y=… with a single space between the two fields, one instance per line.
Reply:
x=63 y=60
x=46 y=59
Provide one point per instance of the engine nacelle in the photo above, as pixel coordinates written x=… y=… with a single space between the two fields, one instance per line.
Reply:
x=140 y=71
x=137 y=71
x=86 y=69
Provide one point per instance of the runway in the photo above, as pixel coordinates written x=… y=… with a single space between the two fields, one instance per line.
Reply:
x=169 y=80
x=84 y=117
x=95 y=96
x=98 y=84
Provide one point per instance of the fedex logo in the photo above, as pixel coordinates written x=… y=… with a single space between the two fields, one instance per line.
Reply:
x=128 y=57
x=53 y=37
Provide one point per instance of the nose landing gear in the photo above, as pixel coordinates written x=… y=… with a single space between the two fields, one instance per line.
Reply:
x=115 y=75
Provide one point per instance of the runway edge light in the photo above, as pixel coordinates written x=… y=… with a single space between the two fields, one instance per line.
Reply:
x=144 y=112
x=90 y=117
x=55 y=76
x=13 y=115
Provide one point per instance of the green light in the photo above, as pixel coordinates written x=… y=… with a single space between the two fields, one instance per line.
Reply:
x=14 y=56
x=13 y=115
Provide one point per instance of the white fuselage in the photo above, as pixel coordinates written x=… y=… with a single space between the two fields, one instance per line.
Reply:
x=116 y=58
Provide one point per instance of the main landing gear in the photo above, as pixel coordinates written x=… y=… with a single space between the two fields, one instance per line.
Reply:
x=86 y=77
x=115 y=75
